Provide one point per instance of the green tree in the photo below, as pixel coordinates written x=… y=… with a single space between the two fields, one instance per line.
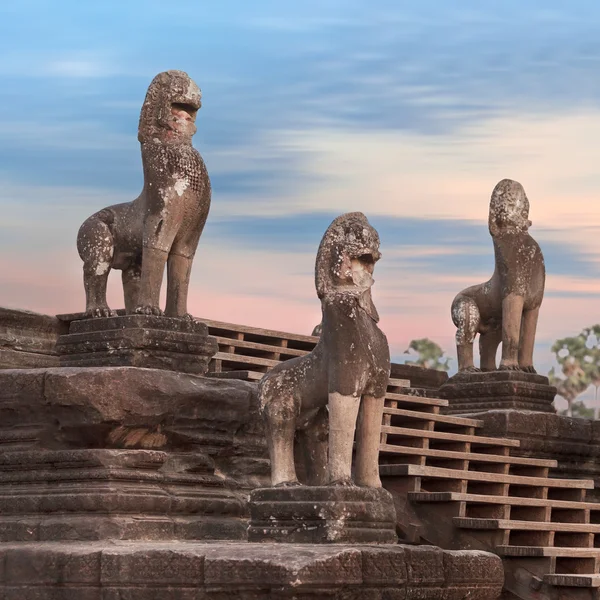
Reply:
x=579 y=409
x=430 y=355
x=571 y=355
x=592 y=362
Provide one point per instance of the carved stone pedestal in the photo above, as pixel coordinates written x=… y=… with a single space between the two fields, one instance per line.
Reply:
x=138 y=341
x=480 y=392
x=317 y=515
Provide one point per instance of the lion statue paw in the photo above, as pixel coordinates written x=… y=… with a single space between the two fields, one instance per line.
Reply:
x=100 y=312
x=149 y=310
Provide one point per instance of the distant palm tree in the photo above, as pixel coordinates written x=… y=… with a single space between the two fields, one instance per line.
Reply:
x=568 y=388
x=592 y=362
x=431 y=356
x=572 y=355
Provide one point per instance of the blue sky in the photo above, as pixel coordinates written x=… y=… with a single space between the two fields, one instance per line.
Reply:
x=408 y=111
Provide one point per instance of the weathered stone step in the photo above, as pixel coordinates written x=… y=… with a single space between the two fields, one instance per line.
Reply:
x=393 y=382
x=218 y=327
x=258 y=346
x=510 y=500
x=244 y=375
x=478 y=523
x=421 y=416
x=449 y=437
x=249 y=360
x=408 y=399
x=570 y=580
x=441 y=473
x=476 y=457
x=546 y=551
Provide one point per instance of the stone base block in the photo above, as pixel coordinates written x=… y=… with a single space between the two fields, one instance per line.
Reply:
x=480 y=392
x=316 y=515
x=219 y=571
x=138 y=341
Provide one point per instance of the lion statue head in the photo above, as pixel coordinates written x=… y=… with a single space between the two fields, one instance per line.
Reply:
x=346 y=260
x=509 y=209
x=169 y=110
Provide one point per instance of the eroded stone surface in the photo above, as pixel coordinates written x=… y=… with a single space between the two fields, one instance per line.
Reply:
x=164 y=223
x=504 y=309
x=126 y=407
x=219 y=571
x=346 y=374
x=126 y=453
x=116 y=494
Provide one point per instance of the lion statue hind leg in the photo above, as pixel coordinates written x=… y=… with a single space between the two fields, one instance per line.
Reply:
x=96 y=248
x=466 y=318
x=311 y=449
x=293 y=390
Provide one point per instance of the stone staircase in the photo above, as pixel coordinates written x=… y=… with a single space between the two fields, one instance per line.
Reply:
x=250 y=352
x=460 y=490
x=455 y=488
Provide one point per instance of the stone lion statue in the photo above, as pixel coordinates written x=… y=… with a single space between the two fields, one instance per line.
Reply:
x=341 y=384
x=162 y=226
x=505 y=308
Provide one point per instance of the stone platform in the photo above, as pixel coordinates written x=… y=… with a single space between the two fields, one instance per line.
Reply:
x=115 y=494
x=478 y=392
x=138 y=341
x=223 y=571
x=326 y=514
x=126 y=453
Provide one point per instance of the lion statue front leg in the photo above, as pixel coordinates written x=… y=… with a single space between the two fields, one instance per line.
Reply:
x=512 y=312
x=343 y=413
x=368 y=435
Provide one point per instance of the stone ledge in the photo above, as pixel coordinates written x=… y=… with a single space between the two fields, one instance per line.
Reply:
x=214 y=571
x=75 y=409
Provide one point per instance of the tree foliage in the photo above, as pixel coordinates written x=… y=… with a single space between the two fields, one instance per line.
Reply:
x=579 y=360
x=430 y=355
x=579 y=409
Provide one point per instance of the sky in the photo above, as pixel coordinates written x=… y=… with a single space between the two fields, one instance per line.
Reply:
x=410 y=112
